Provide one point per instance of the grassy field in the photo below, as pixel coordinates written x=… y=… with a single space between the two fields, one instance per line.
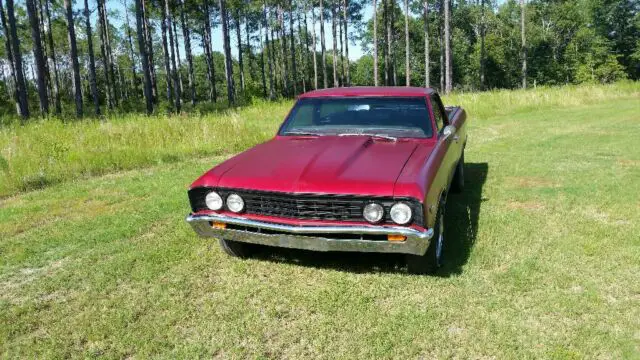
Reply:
x=48 y=152
x=543 y=247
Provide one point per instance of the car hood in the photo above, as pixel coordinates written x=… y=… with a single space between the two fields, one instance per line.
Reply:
x=325 y=164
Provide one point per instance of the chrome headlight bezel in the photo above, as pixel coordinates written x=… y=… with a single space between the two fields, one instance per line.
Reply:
x=401 y=213
x=235 y=203
x=375 y=207
x=213 y=201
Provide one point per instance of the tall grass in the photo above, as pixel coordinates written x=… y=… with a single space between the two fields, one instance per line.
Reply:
x=483 y=105
x=50 y=151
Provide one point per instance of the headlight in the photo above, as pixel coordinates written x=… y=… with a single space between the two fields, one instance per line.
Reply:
x=213 y=201
x=373 y=212
x=401 y=213
x=235 y=203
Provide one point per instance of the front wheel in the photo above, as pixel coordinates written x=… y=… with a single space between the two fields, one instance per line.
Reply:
x=236 y=248
x=432 y=259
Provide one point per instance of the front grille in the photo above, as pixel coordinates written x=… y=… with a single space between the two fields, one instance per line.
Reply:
x=305 y=206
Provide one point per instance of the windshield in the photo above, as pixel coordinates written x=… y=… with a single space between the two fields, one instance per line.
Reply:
x=376 y=116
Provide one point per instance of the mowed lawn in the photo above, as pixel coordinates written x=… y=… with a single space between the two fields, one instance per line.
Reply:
x=543 y=254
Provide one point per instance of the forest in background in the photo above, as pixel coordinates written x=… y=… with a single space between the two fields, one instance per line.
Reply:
x=87 y=59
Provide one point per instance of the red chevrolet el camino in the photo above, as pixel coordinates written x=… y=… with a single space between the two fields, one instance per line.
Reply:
x=350 y=169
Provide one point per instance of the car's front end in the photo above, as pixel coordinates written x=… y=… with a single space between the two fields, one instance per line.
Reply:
x=321 y=222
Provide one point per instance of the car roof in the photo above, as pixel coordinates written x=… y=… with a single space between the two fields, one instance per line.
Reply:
x=392 y=91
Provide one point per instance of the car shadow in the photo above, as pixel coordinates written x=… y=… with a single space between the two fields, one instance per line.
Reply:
x=461 y=222
x=461 y=219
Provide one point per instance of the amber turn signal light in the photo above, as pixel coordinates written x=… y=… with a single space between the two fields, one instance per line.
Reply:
x=396 y=237
x=218 y=225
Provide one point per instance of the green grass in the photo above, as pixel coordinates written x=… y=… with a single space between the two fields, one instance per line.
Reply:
x=543 y=251
x=47 y=152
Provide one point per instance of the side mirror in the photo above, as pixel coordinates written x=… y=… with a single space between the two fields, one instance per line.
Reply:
x=448 y=131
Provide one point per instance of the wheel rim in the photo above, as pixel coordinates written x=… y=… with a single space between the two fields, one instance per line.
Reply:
x=440 y=240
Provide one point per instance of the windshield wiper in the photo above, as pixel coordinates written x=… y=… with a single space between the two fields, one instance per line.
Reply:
x=377 y=136
x=301 y=133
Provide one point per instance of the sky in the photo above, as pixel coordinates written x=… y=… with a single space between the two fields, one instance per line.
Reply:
x=355 y=50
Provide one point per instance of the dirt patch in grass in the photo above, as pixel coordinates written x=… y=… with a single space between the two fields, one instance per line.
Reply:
x=11 y=283
x=594 y=213
x=532 y=182
x=628 y=163
x=526 y=205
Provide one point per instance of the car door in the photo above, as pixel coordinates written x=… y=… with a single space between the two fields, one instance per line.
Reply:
x=451 y=156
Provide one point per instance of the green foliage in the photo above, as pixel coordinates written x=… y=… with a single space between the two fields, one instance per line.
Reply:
x=567 y=42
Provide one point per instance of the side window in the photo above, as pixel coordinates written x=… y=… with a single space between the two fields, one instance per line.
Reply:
x=437 y=112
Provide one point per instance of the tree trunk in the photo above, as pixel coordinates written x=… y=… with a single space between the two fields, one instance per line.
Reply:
x=375 y=43
x=174 y=69
x=303 y=56
x=250 y=58
x=7 y=44
x=38 y=56
x=342 y=74
x=187 y=49
x=142 y=48
x=272 y=57
x=77 y=85
x=111 y=67
x=262 y=67
x=482 y=48
x=54 y=61
x=387 y=43
x=315 y=59
x=523 y=49
x=294 y=69
x=178 y=61
x=283 y=52
x=345 y=10
x=167 y=59
x=239 y=39
x=148 y=41
x=45 y=56
x=22 y=104
x=426 y=44
x=105 y=57
x=335 y=45
x=307 y=70
x=124 y=90
x=441 y=37
x=131 y=53
x=407 y=69
x=208 y=53
x=270 y=53
x=322 y=47
x=447 y=47
x=228 y=65
x=392 y=50
x=92 y=62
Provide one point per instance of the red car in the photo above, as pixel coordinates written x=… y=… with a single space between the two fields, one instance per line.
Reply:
x=351 y=169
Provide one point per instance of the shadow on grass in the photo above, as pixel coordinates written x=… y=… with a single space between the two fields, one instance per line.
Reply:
x=461 y=218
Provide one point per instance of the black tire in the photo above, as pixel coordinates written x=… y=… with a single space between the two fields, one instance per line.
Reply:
x=457 y=184
x=236 y=248
x=432 y=259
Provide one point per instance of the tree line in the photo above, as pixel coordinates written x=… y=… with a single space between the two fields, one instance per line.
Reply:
x=146 y=55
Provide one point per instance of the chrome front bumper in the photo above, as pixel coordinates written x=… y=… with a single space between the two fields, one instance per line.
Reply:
x=313 y=237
